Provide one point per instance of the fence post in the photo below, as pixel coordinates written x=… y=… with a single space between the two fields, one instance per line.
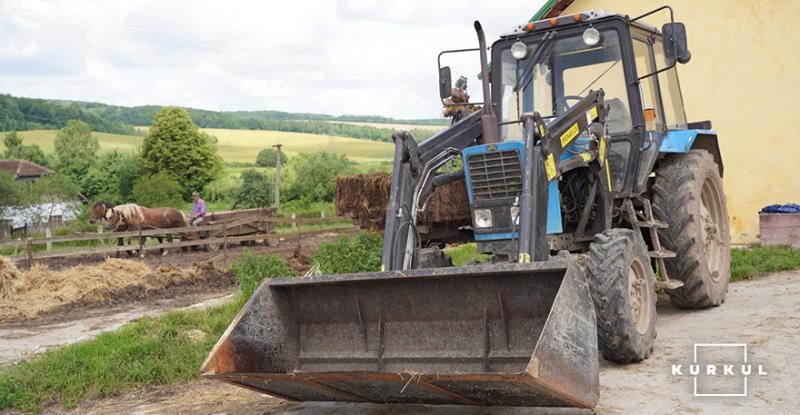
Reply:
x=294 y=220
x=278 y=176
x=29 y=248
x=141 y=244
x=322 y=214
x=225 y=241
x=48 y=233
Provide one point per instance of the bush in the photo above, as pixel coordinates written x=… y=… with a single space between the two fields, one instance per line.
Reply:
x=268 y=157
x=10 y=191
x=361 y=253
x=222 y=189
x=157 y=190
x=313 y=175
x=256 y=190
x=251 y=269
x=112 y=176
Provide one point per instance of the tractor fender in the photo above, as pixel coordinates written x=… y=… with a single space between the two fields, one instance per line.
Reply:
x=682 y=141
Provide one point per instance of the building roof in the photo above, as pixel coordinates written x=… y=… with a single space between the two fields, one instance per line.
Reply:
x=22 y=169
x=551 y=8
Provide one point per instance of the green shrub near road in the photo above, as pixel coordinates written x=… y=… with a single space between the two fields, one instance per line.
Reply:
x=251 y=269
x=359 y=253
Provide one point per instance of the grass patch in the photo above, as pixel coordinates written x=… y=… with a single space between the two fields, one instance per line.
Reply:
x=151 y=351
x=359 y=253
x=465 y=253
x=762 y=260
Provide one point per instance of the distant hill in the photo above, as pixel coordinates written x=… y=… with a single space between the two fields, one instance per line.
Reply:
x=21 y=114
x=18 y=113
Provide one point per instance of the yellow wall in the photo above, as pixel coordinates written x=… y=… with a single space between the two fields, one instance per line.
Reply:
x=744 y=76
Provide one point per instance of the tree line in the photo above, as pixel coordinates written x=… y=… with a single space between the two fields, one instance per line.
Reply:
x=18 y=113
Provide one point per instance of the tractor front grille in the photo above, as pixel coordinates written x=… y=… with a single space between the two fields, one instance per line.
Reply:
x=495 y=175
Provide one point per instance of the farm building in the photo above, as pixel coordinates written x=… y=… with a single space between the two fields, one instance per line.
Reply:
x=23 y=170
x=743 y=77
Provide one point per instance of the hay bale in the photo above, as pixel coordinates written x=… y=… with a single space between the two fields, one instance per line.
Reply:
x=365 y=197
x=10 y=278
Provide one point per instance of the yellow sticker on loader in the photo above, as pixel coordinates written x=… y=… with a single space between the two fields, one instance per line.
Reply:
x=524 y=258
x=541 y=131
x=550 y=167
x=593 y=113
x=608 y=176
x=569 y=135
x=602 y=153
x=586 y=157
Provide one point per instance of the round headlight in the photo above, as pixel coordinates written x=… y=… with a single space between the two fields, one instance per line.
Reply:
x=591 y=36
x=519 y=50
x=483 y=218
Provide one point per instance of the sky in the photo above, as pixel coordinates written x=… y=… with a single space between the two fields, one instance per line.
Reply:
x=323 y=56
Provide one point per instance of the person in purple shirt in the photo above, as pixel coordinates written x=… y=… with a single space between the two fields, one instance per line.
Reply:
x=198 y=210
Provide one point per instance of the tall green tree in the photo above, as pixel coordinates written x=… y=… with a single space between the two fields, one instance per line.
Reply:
x=76 y=150
x=313 y=175
x=16 y=149
x=173 y=145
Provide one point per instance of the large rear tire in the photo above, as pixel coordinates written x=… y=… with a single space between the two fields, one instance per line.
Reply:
x=622 y=285
x=688 y=196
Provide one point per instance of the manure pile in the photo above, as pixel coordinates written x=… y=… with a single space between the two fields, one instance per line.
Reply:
x=41 y=291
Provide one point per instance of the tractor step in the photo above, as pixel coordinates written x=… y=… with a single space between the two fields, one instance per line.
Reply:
x=669 y=285
x=662 y=253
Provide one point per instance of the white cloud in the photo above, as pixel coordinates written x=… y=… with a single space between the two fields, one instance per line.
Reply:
x=346 y=56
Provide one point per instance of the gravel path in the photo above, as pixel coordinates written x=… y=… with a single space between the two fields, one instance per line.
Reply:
x=762 y=313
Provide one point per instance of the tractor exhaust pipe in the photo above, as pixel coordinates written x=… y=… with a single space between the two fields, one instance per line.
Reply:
x=488 y=117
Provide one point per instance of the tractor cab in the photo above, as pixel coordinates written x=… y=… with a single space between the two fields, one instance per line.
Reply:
x=551 y=65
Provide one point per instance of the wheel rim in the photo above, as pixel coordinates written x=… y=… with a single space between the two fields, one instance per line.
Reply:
x=639 y=296
x=711 y=228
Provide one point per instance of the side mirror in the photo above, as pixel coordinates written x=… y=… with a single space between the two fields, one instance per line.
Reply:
x=675 y=47
x=445 y=83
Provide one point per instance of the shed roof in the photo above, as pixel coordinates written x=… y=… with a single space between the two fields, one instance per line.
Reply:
x=22 y=168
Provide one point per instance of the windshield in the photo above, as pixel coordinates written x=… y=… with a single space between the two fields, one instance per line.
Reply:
x=564 y=76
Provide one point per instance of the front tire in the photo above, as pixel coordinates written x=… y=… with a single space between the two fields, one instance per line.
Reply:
x=622 y=285
x=688 y=196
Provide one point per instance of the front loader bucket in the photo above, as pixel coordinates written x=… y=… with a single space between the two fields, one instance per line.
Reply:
x=506 y=335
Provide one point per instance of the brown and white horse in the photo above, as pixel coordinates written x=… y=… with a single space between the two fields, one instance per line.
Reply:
x=132 y=217
x=98 y=215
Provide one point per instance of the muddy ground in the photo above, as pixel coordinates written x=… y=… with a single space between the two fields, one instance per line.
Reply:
x=762 y=313
x=73 y=323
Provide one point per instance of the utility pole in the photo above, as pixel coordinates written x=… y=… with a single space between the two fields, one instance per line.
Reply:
x=278 y=175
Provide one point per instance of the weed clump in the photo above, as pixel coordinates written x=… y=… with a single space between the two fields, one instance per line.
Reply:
x=360 y=253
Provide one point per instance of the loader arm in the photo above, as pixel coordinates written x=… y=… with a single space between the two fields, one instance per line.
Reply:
x=409 y=162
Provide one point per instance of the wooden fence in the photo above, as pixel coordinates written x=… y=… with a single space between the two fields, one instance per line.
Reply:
x=189 y=237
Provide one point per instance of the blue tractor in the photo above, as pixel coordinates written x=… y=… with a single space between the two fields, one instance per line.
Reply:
x=583 y=177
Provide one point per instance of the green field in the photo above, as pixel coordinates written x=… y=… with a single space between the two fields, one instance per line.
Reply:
x=243 y=145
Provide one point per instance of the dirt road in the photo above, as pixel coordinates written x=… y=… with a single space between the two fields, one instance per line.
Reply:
x=762 y=313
